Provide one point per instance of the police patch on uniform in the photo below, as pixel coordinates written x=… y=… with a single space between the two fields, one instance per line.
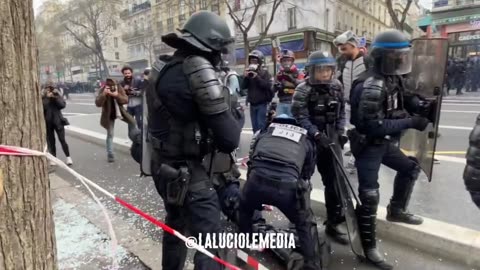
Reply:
x=289 y=132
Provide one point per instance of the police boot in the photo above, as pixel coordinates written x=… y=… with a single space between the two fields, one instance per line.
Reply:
x=367 y=217
x=335 y=219
x=402 y=191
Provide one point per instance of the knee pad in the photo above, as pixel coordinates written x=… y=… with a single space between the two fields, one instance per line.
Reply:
x=370 y=196
x=413 y=173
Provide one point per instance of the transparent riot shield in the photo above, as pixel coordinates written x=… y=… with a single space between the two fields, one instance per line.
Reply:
x=426 y=80
x=345 y=192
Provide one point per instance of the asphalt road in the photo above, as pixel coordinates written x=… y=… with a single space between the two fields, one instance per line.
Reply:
x=443 y=199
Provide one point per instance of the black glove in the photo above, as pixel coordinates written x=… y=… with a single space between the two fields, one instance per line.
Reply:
x=342 y=139
x=419 y=123
x=322 y=139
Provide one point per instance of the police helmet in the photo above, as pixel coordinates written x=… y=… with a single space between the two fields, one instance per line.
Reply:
x=287 y=58
x=256 y=54
x=321 y=68
x=208 y=32
x=391 y=53
x=284 y=119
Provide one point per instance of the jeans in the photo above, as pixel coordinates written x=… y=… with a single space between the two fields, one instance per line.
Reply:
x=284 y=108
x=110 y=132
x=258 y=115
x=137 y=113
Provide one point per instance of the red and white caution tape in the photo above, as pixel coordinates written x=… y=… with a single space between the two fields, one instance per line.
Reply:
x=18 y=151
x=250 y=260
x=242 y=161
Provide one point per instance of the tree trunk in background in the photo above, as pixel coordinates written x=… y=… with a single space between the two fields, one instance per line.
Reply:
x=27 y=236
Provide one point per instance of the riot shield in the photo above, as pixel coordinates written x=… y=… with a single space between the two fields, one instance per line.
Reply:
x=145 y=166
x=426 y=80
x=345 y=192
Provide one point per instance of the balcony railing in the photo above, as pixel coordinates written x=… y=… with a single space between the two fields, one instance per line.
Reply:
x=136 y=8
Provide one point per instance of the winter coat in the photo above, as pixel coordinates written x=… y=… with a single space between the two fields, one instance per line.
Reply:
x=112 y=108
x=52 y=108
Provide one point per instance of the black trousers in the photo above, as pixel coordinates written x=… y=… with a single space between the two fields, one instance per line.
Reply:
x=200 y=213
x=60 y=130
x=255 y=193
x=326 y=168
x=369 y=160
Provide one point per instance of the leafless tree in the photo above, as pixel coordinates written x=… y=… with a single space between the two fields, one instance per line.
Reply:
x=27 y=231
x=149 y=41
x=90 y=22
x=398 y=22
x=244 y=22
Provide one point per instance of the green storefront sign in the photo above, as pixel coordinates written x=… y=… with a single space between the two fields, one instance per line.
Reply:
x=454 y=20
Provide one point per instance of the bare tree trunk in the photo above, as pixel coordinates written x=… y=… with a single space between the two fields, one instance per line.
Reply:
x=103 y=63
x=27 y=236
x=246 y=47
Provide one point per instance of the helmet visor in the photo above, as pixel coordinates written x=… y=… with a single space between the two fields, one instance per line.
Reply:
x=396 y=61
x=286 y=62
x=229 y=56
x=321 y=74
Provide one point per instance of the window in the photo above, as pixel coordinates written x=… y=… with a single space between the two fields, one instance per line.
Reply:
x=374 y=9
x=215 y=6
x=339 y=24
x=237 y=5
x=181 y=5
x=170 y=24
x=114 y=24
x=160 y=27
x=117 y=56
x=262 y=23
x=292 y=18
x=115 y=42
x=203 y=4
x=114 y=66
x=193 y=6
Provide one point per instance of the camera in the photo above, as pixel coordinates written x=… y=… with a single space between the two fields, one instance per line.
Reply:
x=252 y=69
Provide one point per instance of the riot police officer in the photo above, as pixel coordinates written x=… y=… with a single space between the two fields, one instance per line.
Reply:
x=318 y=103
x=471 y=175
x=282 y=161
x=188 y=118
x=381 y=110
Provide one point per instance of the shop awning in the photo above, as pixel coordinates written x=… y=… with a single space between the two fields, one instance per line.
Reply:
x=293 y=45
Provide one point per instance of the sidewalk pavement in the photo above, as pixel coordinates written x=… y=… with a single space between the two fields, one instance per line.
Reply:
x=83 y=241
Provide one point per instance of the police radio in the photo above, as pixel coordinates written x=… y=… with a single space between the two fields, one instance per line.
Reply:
x=332 y=111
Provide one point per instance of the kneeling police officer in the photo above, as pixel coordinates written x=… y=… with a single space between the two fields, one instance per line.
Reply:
x=381 y=110
x=188 y=118
x=282 y=161
x=317 y=104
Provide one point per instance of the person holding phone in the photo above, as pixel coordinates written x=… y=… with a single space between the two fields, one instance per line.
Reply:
x=53 y=104
x=111 y=99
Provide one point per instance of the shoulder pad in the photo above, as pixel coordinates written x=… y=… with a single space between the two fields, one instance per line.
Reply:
x=337 y=85
x=207 y=90
x=302 y=91
x=374 y=82
x=195 y=63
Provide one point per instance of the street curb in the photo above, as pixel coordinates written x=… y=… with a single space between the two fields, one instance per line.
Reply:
x=149 y=252
x=435 y=237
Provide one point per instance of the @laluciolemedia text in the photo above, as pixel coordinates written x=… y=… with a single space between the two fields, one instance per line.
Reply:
x=242 y=240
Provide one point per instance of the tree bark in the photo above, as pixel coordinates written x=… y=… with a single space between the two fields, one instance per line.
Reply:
x=246 y=47
x=27 y=236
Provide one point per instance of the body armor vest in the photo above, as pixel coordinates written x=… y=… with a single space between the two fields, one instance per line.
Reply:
x=282 y=144
x=323 y=108
x=394 y=104
x=172 y=136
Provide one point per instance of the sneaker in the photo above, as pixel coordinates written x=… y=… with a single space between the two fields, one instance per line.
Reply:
x=111 y=158
x=69 y=161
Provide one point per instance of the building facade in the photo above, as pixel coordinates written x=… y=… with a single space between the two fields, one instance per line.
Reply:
x=137 y=33
x=459 y=21
x=295 y=26
x=170 y=15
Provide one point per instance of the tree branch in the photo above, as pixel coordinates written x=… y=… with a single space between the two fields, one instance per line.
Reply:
x=81 y=41
x=276 y=5
x=234 y=17
x=405 y=12
x=255 y=11
x=391 y=11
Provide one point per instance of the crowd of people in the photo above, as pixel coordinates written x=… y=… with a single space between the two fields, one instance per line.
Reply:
x=463 y=74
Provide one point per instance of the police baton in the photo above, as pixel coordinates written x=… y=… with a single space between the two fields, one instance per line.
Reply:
x=342 y=170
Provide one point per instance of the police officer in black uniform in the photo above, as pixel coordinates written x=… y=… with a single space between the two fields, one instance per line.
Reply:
x=381 y=109
x=282 y=161
x=188 y=117
x=319 y=102
x=471 y=175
